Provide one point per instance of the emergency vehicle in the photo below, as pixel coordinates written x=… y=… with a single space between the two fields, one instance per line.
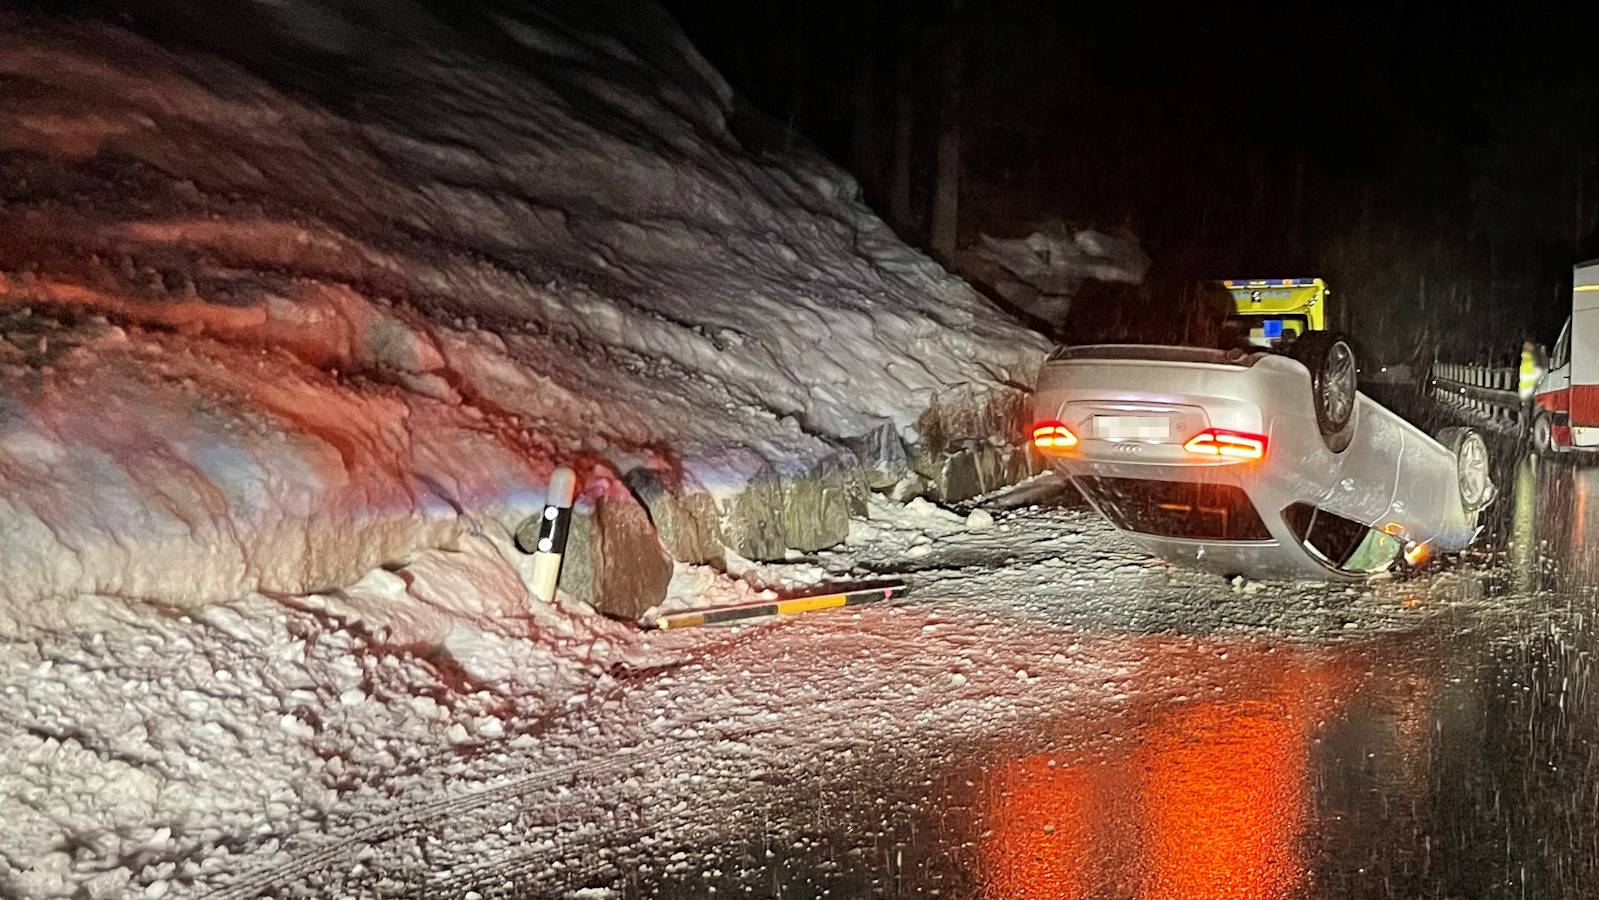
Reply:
x=1567 y=398
x=1277 y=310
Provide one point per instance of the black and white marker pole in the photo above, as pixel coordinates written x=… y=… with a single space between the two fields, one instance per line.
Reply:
x=553 y=528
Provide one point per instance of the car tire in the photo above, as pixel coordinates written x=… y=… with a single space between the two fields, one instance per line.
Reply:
x=1543 y=434
x=1473 y=467
x=1333 y=383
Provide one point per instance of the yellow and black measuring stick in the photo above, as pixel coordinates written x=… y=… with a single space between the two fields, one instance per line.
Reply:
x=553 y=529
x=783 y=607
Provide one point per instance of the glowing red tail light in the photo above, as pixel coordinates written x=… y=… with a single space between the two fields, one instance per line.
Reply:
x=1053 y=437
x=1231 y=444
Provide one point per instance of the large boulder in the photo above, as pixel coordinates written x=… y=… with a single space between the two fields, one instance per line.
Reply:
x=976 y=468
x=614 y=560
x=881 y=455
x=818 y=504
x=684 y=516
x=971 y=412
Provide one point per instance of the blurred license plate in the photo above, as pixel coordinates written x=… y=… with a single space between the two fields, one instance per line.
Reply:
x=1138 y=428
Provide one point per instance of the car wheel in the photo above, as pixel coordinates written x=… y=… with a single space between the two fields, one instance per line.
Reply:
x=1473 y=471
x=1333 y=383
x=1543 y=434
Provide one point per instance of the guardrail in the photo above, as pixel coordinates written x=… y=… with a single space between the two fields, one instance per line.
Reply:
x=1486 y=394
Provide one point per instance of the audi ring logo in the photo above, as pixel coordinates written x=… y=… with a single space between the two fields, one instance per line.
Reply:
x=1129 y=449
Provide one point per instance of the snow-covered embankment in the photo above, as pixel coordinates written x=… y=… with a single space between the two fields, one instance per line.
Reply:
x=292 y=299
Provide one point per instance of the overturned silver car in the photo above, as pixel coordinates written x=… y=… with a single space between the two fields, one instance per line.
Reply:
x=1257 y=463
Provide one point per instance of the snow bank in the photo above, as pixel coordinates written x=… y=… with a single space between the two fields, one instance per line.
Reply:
x=353 y=272
x=150 y=752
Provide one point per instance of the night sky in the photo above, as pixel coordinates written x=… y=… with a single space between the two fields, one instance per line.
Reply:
x=1439 y=165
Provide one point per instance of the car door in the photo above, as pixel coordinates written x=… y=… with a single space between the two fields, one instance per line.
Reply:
x=1427 y=494
x=1369 y=468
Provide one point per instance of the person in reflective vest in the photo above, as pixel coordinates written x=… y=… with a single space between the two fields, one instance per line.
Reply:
x=1532 y=370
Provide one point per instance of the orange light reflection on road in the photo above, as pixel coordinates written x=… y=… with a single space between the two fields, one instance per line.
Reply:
x=1042 y=844
x=1211 y=804
x=1223 y=801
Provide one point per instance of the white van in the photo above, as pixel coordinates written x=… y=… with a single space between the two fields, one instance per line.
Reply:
x=1567 y=399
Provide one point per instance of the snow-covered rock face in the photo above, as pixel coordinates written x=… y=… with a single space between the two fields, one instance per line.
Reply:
x=324 y=276
x=176 y=469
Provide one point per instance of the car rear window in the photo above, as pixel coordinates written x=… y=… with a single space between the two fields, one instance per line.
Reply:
x=1343 y=543
x=1176 y=509
x=1265 y=330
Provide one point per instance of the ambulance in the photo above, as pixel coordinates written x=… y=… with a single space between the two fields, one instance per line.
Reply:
x=1567 y=416
x=1275 y=311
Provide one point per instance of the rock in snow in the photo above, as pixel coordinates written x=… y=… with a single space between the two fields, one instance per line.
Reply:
x=1041 y=274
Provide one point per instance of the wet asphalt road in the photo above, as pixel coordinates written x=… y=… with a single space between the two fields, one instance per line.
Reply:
x=1452 y=759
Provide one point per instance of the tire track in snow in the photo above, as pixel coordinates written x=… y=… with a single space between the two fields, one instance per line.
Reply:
x=409 y=817
x=569 y=862
x=397 y=823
